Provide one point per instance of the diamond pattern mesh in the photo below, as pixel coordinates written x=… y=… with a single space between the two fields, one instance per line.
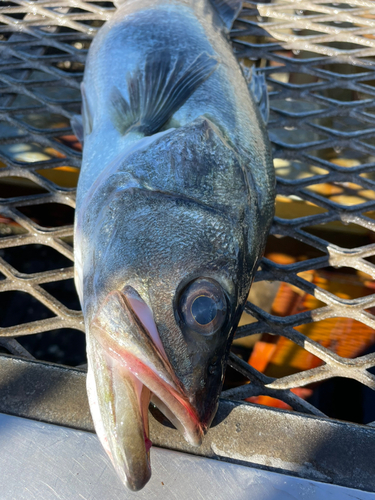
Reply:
x=314 y=320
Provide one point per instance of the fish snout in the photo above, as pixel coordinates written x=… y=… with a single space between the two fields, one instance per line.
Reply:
x=128 y=368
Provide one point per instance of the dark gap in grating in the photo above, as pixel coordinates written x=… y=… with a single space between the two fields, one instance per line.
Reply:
x=65 y=292
x=344 y=399
x=343 y=123
x=19 y=307
x=296 y=169
x=335 y=156
x=58 y=93
x=66 y=177
x=370 y=82
x=295 y=136
x=293 y=105
x=303 y=79
x=31 y=259
x=287 y=207
x=52 y=51
x=343 y=235
x=344 y=45
x=33 y=75
x=343 y=5
x=62 y=30
x=69 y=240
x=65 y=346
x=76 y=10
x=104 y=5
x=232 y=377
x=44 y=121
x=344 y=69
x=307 y=32
x=11 y=187
x=96 y=23
x=16 y=15
x=7 y=130
x=287 y=246
x=341 y=94
x=17 y=101
x=49 y=214
x=370 y=214
x=361 y=276
x=370 y=141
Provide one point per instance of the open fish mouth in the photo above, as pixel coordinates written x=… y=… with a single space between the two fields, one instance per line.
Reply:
x=128 y=368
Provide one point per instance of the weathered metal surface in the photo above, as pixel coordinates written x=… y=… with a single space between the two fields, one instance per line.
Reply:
x=44 y=391
x=310 y=447
x=44 y=461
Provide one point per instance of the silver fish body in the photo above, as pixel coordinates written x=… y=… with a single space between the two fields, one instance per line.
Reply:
x=174 y=203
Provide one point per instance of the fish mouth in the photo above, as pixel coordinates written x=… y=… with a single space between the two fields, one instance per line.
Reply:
x=128 y=368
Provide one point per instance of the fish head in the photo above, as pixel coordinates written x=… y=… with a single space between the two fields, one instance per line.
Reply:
x=165 y=280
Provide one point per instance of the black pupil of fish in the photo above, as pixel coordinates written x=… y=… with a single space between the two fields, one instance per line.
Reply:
x=204 y=310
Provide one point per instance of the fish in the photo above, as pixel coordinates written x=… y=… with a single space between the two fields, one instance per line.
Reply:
x=174 y=203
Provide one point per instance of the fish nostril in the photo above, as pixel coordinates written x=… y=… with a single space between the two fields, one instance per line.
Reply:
x=214 y=366
x=214 y=360
x=212 y=369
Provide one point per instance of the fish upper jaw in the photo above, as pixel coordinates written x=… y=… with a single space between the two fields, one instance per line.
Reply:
x=128 y=368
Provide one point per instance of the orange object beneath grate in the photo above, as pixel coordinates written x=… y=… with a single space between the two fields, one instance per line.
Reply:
x=278 y=356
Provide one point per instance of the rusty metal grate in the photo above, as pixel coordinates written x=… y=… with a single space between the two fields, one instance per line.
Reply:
x=318 y=58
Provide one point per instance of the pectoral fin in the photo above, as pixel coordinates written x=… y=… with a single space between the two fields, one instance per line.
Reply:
x=228 y=10
x=257 y=85
x=77 y=126
x=157 y=90
x=87 y=117
x=82 y=124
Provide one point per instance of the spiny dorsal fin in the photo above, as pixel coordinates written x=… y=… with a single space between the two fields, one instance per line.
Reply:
x=157 y=91
x=257 y=85
x=228 y=10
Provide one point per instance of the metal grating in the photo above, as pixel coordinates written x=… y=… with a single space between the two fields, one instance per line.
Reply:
x=318 y=58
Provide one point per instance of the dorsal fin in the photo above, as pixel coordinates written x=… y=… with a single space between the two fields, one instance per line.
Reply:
x=228 y=10
x=257 y=85
x=157 y=90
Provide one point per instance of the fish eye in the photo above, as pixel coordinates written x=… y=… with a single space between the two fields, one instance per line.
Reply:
x=203 y=306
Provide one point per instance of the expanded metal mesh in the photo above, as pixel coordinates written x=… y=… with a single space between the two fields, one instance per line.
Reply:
x=318 y=58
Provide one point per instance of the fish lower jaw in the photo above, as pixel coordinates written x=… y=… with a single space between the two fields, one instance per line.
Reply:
x=165 y=396
x=120 y=388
